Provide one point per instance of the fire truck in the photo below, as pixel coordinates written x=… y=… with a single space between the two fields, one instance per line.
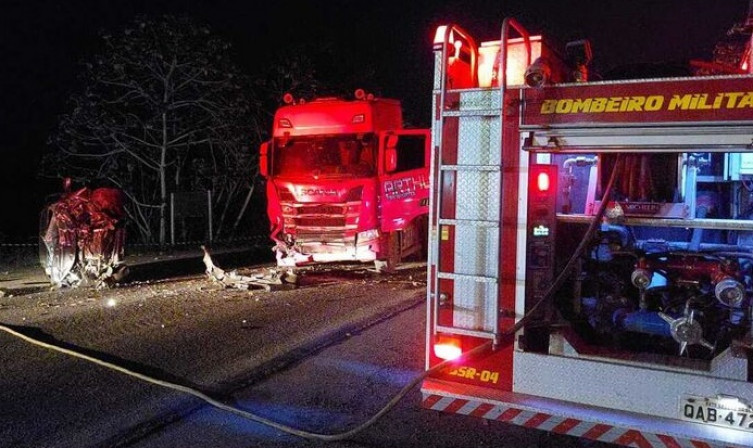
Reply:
x=346 y=182
x=590 y=265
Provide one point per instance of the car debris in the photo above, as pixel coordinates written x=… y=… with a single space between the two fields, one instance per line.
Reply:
x=82 y=237
x=268 y=279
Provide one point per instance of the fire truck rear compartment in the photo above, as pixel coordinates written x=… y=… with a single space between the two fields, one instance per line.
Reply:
x=619 y=313
x=656 y=293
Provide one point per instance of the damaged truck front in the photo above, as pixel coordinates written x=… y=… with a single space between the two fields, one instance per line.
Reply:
x=345 y=182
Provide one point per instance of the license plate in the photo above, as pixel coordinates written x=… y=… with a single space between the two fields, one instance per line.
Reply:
x=728 y=412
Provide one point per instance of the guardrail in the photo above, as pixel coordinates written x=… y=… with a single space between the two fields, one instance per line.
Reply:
x=27 y=254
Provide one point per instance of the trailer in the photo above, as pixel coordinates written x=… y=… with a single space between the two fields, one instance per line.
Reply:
x=590 y=265
x=346 y=182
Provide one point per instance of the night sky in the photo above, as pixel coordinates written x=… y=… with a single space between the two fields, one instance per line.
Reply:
x=42 y=43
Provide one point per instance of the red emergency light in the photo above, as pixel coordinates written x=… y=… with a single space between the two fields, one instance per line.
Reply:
x=542 y=182
x=439 y=35
x=447 y=348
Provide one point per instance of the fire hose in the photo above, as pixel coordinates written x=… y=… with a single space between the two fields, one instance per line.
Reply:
x=240 y=412
x=556 y=284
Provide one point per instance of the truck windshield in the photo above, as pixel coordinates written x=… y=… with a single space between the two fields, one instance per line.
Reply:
x=325 y=156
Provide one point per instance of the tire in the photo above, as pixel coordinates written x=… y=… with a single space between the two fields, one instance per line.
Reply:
x=423 y=235
x=387 y=264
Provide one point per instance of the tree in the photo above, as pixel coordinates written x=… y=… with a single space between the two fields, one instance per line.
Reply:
x=163 y=109
x=313 y=69
x=293 y=71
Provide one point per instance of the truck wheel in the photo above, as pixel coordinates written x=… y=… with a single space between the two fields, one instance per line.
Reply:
x=387 y=264
x=423 y=236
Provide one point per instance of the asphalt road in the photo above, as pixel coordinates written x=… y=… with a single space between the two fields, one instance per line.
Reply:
x=323 y=357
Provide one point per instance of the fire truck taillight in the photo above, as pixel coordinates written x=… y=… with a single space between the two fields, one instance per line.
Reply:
x=360 y=118
x=447 y=349
x=284 y=123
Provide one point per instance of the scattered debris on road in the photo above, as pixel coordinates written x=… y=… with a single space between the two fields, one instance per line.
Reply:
x=268 y=279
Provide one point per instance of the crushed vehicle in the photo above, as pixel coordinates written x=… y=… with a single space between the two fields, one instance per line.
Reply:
x=346 y=182
x=82 y=237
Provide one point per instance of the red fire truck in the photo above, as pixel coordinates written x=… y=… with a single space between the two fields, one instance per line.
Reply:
x=346 y=182
x=591 y=245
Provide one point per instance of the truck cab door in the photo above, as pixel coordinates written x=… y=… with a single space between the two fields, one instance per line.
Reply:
x=403 y=177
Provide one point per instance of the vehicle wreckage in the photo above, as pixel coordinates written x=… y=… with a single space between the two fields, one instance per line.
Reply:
x=82 y=237
x=268 y=279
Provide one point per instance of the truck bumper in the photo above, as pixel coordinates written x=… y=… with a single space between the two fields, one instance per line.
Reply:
x=562 y=417
x=326 y=253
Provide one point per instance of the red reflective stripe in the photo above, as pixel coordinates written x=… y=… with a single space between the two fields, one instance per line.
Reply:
x=597 y=431
x=700 y=444
x=482 y=410
x=633 y=437
x=509 y=415
x=536 y=420
x=456 y=405
x=431 y=400
x=566 y=426
x=669 y=442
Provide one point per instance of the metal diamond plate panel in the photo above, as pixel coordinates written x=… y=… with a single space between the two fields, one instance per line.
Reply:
x=476 y=250
x=437 y=70
x=478 y=195
x=475 y=305
x=481 y=100
x=436 y=130
x=479 y=141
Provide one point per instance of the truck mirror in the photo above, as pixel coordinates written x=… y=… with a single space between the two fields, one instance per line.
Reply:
x=390 y=154
x=264 y=159
x=390 y=159
x=392 y=141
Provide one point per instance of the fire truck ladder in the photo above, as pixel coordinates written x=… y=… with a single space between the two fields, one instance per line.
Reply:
x=468 y=136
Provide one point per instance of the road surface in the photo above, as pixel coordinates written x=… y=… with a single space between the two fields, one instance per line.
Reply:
x=322 y=357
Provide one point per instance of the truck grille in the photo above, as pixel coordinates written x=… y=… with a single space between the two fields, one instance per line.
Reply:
x=330 y=219
x=338 y=221
x=321 y=209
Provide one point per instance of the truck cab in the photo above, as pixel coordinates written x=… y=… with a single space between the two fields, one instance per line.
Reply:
x=346 y=182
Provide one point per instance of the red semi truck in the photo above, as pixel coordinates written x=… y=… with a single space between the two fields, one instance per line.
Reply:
x=591 y=244
x=346 y=182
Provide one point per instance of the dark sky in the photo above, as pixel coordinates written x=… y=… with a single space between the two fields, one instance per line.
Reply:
x=42 y=42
